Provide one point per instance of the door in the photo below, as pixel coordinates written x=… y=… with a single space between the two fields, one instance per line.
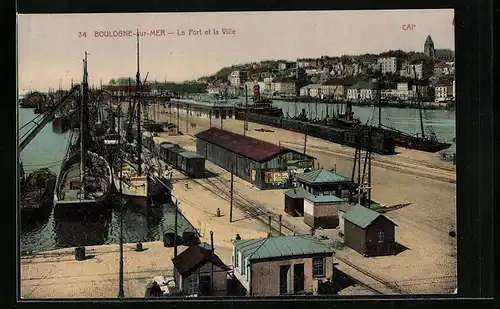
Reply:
x=205 y=285
x=284 y=279
x=298 y=278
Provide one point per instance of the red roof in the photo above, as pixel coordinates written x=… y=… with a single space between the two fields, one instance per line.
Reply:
x=252 y=148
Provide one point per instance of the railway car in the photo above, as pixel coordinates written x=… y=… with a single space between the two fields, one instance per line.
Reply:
x=192 y=164
x=172 y=154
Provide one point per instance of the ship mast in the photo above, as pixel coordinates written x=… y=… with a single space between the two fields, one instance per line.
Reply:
x=139 y=135
x=419 y=103
x=83 y=138
x=380 y=99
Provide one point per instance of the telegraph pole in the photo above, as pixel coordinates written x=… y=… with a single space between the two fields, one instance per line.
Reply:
x=178 y=117
x=175 y=229
x=120 y=291
x=187 y=116
x=245 y=123
x=305 y=143
x=210 y=119
x=232 y=190
x=221 y=120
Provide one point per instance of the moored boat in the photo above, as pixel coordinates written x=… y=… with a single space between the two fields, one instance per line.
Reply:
x=77 y=200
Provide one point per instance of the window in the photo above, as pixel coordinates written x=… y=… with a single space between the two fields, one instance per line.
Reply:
x=318 y=265
x=380 y=236
x=193 y=286
x=235 y=257
x=243 y=268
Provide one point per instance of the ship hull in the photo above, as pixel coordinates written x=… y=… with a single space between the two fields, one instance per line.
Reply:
x=87 y=209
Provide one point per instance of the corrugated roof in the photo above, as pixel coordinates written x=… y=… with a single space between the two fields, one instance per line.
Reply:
x=298 y=193
x=283 y=246
x=361 y=216
x=320 y=176
x=246 y=146
x=190 y=155
x=324 y=199
x=193 y=258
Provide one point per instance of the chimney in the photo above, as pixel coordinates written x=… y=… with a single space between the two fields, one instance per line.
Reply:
x=238 y=237
x=212 y=241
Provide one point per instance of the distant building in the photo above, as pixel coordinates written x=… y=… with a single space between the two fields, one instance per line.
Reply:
x=335 y=88
x=283 y=87
x=193 y=272
x=437 y=54
x=423 y=69
x=388 y=65
x=369 y=232
x=284 y=265
x=443 y=90
x=282 y=66
x=237 y=78
x=429 y=50
x=362 y=91
x=311 y=90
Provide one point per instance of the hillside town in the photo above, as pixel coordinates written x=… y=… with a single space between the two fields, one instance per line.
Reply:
x=347 y=77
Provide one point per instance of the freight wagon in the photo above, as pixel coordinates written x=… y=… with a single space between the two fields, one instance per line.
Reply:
x=179 y=158
x=378 y=143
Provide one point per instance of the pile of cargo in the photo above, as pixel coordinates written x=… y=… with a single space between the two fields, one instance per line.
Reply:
x=37 y=189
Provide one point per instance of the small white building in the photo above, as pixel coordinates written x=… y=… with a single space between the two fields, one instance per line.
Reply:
x=311 y=90
x=322 y=211
x=362 y=91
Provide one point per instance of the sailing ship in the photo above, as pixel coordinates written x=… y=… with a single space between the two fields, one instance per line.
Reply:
x=423 y=142
x=84 y=183
x=134 y=185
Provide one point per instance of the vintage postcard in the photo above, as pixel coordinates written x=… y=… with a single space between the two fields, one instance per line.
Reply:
x=238 y=153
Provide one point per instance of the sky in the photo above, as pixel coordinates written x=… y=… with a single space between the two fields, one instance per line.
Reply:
x=51 y=46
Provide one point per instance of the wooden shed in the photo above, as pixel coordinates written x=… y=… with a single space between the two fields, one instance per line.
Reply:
x=192 y=163
x=369 y=232
x=342 y=210
x=263 y=164
x=294 y=201
x=322 y=211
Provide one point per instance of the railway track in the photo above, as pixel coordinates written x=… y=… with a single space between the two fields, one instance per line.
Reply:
x=417 y=169
x=216 y=186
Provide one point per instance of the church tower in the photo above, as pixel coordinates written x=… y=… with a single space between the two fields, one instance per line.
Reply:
x=429 y=50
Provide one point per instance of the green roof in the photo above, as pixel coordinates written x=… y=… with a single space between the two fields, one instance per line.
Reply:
x=361 y=216
x=190 y=155
x=298 y=193
x=283 y=246
x=321 y=176
x=324 y=199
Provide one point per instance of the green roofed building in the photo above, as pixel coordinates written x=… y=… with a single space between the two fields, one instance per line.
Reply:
x=282 y=265
x=369 y=232
x=324 y=182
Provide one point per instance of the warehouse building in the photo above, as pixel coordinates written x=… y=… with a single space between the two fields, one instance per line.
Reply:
x=263 y=164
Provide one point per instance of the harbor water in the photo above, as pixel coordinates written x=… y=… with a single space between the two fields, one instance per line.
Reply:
x=48 y=149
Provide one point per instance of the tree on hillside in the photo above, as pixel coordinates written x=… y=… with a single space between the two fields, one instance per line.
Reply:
x=112 y=81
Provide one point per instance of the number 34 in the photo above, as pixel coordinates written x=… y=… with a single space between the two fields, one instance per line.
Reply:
x=82 y=34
